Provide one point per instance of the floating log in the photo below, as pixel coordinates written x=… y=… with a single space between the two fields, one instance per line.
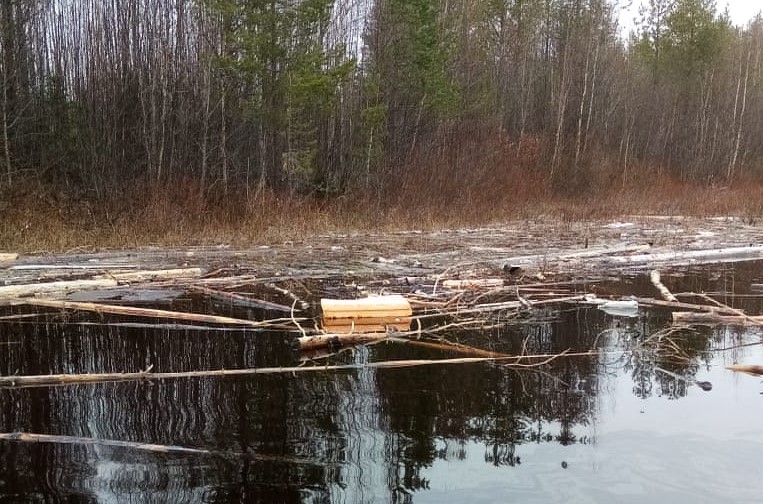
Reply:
x=151 y=313
x=153 y=275
x=473 y=283
x=714 y=318
x=55 y=288
x=694 y=256
x=335 y=341
x=375 y=311
x=750 y=369
x=6 y=257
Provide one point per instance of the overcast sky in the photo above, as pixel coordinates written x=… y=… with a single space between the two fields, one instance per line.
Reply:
x=741 y=11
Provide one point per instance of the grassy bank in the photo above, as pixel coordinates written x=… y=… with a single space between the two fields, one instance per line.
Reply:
x=45 y=218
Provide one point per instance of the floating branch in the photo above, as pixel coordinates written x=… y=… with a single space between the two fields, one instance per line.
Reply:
x=71 y=379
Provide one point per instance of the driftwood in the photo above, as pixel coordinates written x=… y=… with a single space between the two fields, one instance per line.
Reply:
x=152 y=313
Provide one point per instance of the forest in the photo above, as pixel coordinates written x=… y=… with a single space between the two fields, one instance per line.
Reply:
x=202 y=104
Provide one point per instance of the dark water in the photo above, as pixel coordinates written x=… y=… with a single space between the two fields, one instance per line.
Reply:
x=608 y=428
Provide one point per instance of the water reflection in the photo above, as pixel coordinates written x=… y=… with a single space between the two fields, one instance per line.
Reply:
x=370 y=435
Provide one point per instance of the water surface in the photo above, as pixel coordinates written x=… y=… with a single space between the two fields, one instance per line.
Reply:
x=614 y=427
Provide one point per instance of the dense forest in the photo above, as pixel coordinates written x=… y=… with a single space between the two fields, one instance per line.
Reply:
x=325 y=97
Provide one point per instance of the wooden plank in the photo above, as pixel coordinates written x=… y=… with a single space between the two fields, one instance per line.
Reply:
x=370 y=310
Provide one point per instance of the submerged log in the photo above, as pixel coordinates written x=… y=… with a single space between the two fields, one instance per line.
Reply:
x=714 y=318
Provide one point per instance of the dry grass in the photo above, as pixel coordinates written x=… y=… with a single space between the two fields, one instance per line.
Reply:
x=459 y=184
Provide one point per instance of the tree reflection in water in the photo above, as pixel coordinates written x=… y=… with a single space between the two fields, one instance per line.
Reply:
x=333 y=437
